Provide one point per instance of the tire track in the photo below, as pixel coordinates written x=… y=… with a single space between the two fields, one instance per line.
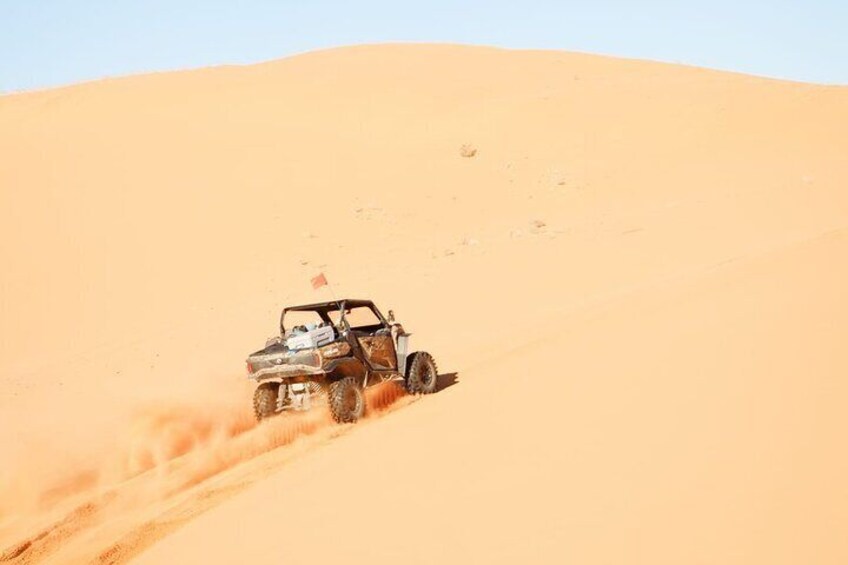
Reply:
x=187 y=468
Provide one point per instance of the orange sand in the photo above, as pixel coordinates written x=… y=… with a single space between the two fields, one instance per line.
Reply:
x=635 y=288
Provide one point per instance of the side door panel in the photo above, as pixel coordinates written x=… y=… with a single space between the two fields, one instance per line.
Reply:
x=379 y=349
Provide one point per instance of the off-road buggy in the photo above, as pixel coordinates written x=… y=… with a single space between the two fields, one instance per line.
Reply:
x=332 y=351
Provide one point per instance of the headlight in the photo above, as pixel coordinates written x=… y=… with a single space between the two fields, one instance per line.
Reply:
x=338 y=349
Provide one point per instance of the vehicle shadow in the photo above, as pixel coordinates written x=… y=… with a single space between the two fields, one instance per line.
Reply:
x=446 y=380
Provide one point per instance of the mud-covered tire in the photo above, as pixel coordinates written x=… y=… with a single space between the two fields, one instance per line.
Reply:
x=347 y=403
x=422 y=375
x=265 y=400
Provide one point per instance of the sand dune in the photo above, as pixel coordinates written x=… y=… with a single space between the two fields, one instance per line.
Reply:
x=634 y=286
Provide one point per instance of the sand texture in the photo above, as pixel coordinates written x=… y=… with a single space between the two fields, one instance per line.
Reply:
x=633 y=276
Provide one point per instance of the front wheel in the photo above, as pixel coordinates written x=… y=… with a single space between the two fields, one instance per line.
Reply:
x=347 y=403
x=422 y=374
x=265 y=400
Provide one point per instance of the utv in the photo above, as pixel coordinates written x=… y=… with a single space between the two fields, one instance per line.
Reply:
x=332 y=351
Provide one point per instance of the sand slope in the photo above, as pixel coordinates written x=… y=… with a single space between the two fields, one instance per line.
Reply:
x=687 y=424
x=637 y=282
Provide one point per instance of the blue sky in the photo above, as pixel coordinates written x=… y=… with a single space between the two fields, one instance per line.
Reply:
x=54 y=42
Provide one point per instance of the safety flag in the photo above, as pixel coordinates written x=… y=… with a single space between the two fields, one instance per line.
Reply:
x=319 y=281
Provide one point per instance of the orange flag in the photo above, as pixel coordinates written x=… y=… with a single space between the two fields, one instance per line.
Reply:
x=319 y=281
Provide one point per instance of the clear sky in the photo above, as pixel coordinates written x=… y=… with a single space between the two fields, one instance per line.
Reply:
x=55 y=42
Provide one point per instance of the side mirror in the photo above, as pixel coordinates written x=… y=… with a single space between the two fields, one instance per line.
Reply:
x=391 y=316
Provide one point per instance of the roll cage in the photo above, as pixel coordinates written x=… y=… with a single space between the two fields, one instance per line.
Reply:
x=324 y=309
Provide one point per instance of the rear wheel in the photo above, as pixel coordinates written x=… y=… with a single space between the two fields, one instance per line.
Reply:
x=422 y=374
x=347 y=403
x=265 y=400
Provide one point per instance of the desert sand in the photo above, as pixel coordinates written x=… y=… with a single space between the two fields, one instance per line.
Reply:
x=634 y=287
